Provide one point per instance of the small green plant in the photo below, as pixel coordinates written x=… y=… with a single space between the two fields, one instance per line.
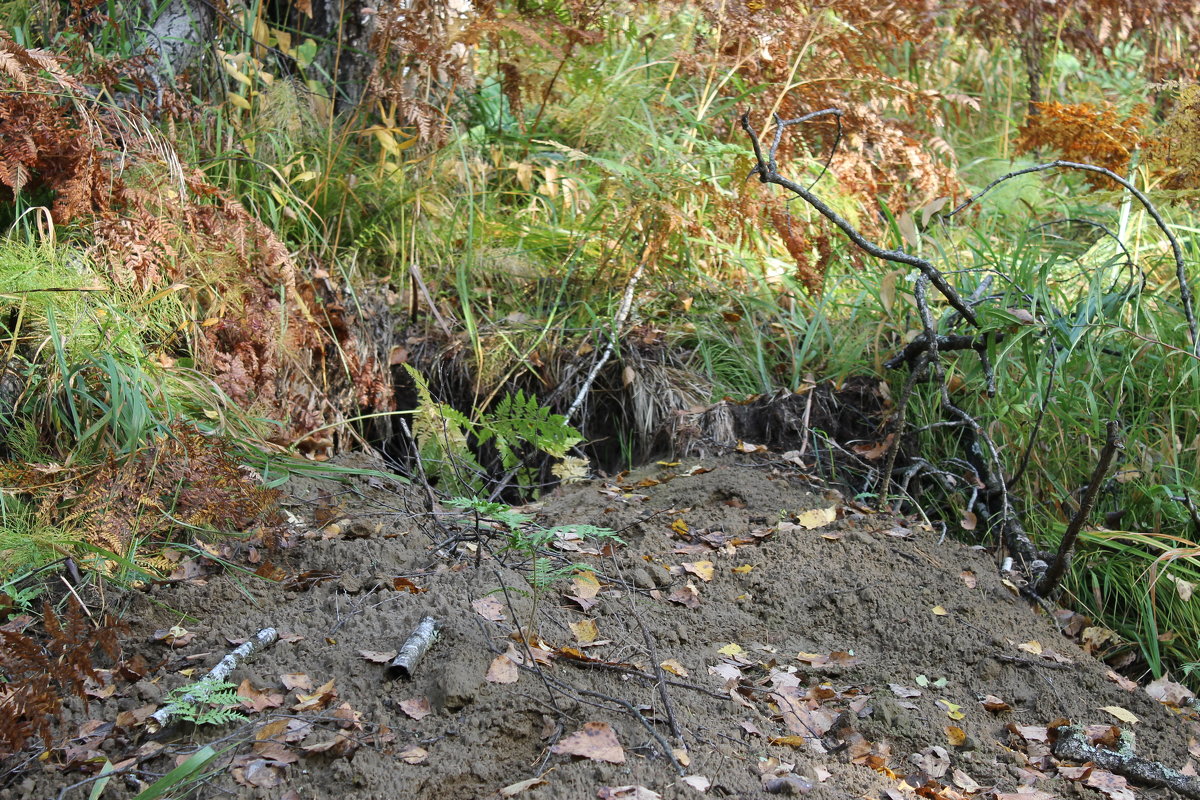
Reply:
x=518 y=428
x=530 y=541
x=17 y=597
x=206 y=702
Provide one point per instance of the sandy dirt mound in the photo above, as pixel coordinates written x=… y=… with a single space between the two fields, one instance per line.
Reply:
x=791 y=629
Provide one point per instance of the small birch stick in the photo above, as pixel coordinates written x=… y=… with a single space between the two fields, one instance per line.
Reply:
x=414 y=648
x=261 y=640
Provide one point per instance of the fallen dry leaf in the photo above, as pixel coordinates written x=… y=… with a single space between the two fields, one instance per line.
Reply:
x=584 y=603
x=596 y=741
x=271 y=729
x=674 y=667
x=816 y=517
x=1094 y=638
x=841 y=657
x=401 y=584
x=876 y=451
x=175 y=636
x=994 y=704
x=416 y=707
x=296 y=680
x=1033 y=647
x=1182 y=587
x=750 y=728
x=585 y=631
x=259 y=773
x=964 y=781
x=377 y=657
x=502 y=670
x=317 y=700
x=688 y=596
x=1123 y=714
x=258 y=701
x=952 y=709
x=341 y=746
x=1113 y=786
x=514 y=789
x=1168 y=692
x=489 y=608
x=630 y=792
x=934 y=761
x=586 y=584
x=697 y=782
x=1031 y=733
x=701 y=569
x=1074 y=773
x=414 y=755
x=903 y=691
x=939 y=611
x=1121 y=680
x=955 y=736
x=347 y=718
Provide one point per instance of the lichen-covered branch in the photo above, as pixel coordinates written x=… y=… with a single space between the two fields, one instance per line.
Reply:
x=261 y=641
x=1072 y=744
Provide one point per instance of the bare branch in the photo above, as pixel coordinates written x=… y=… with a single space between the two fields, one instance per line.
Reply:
x=1185 y=292
x=1112 y=444
x=768 y=172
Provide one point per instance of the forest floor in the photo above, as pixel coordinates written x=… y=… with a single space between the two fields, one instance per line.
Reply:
x=807 y=646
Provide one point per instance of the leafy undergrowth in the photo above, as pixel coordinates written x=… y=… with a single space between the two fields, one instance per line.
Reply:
x=195 y=278
x=750 y=632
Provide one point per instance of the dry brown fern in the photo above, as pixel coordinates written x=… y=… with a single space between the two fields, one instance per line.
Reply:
x=1175 y=146
x=187 y=481
x=38 y=669
x=888 y=151
x=154 y=224
x=1085 y=133
x=1169 y=31
x=47 y=135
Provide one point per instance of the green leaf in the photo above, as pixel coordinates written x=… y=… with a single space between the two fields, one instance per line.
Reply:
x=179 y=775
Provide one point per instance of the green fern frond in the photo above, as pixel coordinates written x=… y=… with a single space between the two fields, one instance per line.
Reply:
x=207 y=702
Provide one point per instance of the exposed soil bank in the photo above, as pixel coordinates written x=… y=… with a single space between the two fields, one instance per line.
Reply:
x=832 y=629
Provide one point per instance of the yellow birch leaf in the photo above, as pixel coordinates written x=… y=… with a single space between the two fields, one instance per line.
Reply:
x=817 y=517
x=674 y=667
x=585 y=631
x=1123 y=714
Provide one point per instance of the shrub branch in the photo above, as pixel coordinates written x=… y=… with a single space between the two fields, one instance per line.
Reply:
x=768 y=172
x=1185 y=292
x=1054 y=574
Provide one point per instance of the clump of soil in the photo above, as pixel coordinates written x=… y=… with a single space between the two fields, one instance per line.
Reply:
x=791 y=627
